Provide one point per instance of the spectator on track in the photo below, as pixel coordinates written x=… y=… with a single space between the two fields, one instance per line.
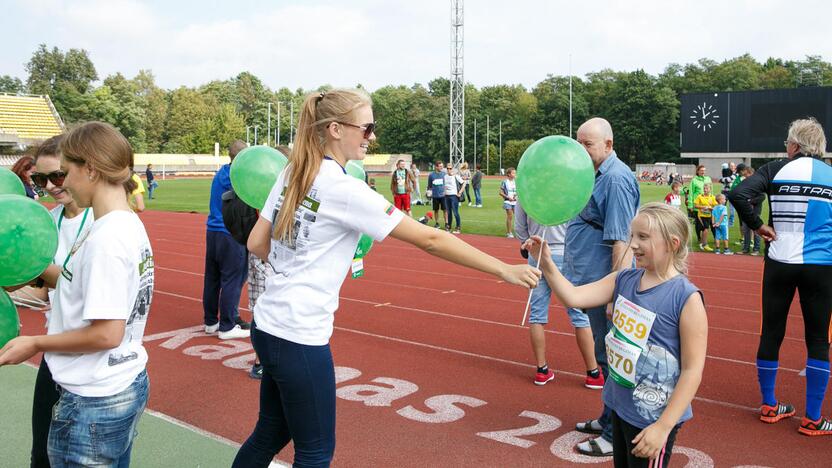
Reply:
x=454 y=185
x=414 y=169
x=757 y=206
x=555 y=236
x=704 y=205
x=694 y=190
x=225 y=263
x=659 y=336
x=436 y=192
x=798 y=258
x=151 y=181
x=476 y=184
x=294 y=316
x=674 y=198
x=720 y=220
x=94 y=343
x=401 y=185
x=465 y=173
x=137 y=196
x=596 y=244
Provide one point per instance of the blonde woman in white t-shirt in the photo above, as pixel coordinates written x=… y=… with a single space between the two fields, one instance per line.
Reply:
x=102 y=298
x=310 y=246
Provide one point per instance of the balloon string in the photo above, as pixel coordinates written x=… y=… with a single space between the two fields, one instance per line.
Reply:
x=531 y=290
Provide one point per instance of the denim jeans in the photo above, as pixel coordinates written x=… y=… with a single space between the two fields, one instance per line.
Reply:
x=297 y=403
x=151 y=186
x=478 y=196
x=452 y=208
x=97 y=431
x=542 y=294
x=600 y=327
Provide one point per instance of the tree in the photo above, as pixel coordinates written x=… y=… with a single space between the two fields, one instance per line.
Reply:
x=11 y=84
x=65 y=77
x=187 y=113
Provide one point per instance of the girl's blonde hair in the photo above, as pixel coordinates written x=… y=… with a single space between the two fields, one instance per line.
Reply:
x=102 y=147
x=669 y=222
x=319 y=110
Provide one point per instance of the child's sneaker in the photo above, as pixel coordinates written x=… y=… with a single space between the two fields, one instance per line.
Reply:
x=595 y=383
x=718 y=252
x=542 y=379
x=772 y=414
x=727 y=252
x=707 y=248
x=820 y=427
x=509 y=235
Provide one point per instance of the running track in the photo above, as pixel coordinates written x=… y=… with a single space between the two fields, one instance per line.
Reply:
x=434 y=369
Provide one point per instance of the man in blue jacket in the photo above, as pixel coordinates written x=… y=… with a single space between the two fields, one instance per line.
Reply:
x=225 y=263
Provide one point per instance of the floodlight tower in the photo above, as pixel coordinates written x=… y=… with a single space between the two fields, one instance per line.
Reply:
x=457 y=94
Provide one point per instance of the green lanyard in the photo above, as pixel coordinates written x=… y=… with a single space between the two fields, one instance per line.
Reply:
x=72 y=249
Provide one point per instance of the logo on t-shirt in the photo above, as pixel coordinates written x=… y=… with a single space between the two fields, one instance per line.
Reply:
x=389 y=210
x=134 y=328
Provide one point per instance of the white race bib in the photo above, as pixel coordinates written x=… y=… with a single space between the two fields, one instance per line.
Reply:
x=622 y=358
x=632 y=322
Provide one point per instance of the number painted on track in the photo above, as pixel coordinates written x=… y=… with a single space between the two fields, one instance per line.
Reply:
x=545 y=423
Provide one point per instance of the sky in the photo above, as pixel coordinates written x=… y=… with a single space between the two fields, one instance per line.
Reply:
x=305 y=44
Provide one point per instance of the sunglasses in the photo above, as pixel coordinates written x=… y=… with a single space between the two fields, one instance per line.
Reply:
x=56 y=177
x=368 y=128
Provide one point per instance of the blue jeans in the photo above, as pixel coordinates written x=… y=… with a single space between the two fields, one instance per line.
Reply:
x=151 y=186
x=600 y=327
x=452 y=209
x=226 y=268
x=297 y=403
x=97 y=431
x=478 y=196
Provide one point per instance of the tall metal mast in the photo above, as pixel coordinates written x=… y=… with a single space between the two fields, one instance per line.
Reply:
x=457 y=95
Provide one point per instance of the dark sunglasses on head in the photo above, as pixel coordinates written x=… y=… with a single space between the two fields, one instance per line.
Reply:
x=368 y=128
x=56 y=177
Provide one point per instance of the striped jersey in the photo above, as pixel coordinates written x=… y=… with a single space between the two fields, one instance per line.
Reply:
x=800 y=208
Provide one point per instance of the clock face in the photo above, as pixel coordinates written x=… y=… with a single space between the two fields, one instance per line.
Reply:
x=704 y=116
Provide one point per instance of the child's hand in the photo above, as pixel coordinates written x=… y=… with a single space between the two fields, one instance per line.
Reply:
x=521 y=275
x=649 y=442
x=534 y=245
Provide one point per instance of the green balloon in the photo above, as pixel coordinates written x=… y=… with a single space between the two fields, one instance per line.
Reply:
x=365 y=243
x=554 y=179
x=254 y=172
x=10 y=183
x=28 y=239
x=9 y=321
x=355 y=168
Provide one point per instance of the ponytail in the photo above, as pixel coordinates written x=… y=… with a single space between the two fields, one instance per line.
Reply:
x=318 y=111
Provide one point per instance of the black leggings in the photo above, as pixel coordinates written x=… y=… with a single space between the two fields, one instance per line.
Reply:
x=814 y=284
x=46 y=395
x=623 y=434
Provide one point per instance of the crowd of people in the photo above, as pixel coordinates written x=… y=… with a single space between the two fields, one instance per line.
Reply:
x=619 y=268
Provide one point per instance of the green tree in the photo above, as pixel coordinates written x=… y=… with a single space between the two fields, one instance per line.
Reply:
x=187 y=113
x=11 y=84
x=65 y=77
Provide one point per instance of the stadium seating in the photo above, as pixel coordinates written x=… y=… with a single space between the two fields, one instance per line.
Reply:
x=27 y=119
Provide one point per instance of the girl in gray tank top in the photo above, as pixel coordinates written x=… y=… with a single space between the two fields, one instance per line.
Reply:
x=657 y=340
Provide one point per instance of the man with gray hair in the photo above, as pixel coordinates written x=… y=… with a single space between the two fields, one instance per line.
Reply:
x=597 y=244
x=798 y=258
x=225 y=263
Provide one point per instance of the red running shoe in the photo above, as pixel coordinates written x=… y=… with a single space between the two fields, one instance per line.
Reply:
x=541 y=378
x=595 y=383
x=820 y=427
x=772 y=414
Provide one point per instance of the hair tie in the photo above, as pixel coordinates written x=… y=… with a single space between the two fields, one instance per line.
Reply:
x=320 y=97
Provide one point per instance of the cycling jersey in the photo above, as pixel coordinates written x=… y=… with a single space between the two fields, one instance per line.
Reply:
x=800 y=208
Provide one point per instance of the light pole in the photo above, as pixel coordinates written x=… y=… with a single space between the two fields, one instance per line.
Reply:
x=475 y=144
x=269 y=125
x=487 y=143
x=247 y=127
x=277 y=133
x=291 y=122
x=255 y=134
x=501 y=144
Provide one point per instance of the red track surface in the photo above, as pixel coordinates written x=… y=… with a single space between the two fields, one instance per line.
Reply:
x=447 y=334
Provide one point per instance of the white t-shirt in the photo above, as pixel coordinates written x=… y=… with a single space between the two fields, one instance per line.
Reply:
x=510 y=188
x=452 y=184
x=109 y=277
x=69 y=230
x=301 y=297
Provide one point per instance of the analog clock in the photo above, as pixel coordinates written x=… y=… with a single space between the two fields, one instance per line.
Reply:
x=704 y=116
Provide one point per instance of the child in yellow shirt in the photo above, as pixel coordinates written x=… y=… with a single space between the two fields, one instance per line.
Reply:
x=703 y=205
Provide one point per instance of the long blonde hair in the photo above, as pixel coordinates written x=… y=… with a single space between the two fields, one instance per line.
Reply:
x=318 y=111
x=669 y=222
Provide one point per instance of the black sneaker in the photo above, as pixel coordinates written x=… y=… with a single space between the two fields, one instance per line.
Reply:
x=256 y=372
x=243 y=324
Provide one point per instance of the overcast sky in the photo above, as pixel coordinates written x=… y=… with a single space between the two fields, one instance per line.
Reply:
x=376 y=43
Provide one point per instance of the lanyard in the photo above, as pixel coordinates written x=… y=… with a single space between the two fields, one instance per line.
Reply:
x=77 y=234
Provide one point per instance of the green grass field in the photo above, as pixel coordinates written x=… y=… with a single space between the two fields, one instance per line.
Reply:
x=191 y=195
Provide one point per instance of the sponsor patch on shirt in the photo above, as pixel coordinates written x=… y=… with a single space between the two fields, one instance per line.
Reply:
x=389 y=210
